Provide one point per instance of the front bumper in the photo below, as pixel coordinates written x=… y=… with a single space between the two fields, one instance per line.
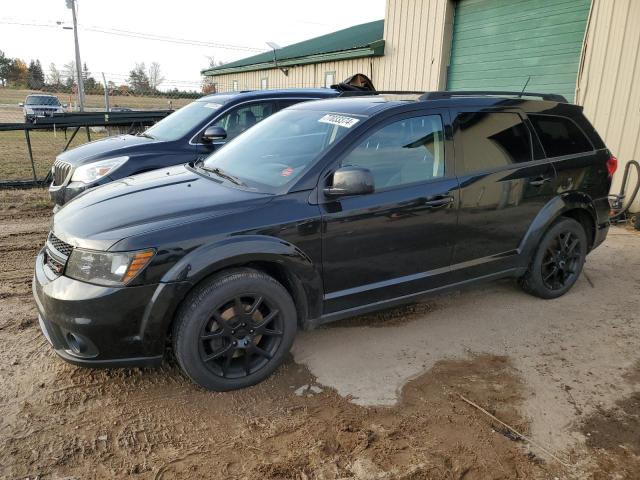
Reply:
x=61 y=194
x=96 y=326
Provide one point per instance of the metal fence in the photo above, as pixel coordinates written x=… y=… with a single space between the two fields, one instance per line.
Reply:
x=28 y=149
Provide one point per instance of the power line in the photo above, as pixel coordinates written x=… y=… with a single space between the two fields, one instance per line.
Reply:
x=138 y=35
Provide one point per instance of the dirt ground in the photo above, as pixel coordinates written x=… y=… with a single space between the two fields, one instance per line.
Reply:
x=374 y=397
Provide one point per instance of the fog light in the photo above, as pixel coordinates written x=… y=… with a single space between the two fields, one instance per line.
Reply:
x=76 y=344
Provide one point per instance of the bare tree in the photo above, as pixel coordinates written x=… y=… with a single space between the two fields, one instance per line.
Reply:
x=55 y=77
x=70 y=73
x=155 y=75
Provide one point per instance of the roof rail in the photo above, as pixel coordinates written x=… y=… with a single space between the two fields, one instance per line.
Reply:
x=554 y=97
x=361 y=93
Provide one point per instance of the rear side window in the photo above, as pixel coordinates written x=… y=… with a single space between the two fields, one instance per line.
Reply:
x=493 y=139
x=560 y=136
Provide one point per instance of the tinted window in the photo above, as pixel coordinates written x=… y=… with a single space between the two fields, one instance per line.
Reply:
x=560 y=136
x=491 y=140
x=406 y=151
x=244 y=117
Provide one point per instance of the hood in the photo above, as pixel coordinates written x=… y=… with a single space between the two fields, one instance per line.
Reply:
x=106 y=148
x=148 y=202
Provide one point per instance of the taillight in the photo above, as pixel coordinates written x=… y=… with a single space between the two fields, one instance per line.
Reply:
x=612 y=165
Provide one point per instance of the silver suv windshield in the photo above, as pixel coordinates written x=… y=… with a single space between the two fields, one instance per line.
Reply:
x=278 y=150
x=42 y=100
x=183 y=120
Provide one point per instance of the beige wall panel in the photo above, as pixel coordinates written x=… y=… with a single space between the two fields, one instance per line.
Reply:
x=609 y=82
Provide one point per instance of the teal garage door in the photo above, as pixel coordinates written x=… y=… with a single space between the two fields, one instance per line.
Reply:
x=498 y=44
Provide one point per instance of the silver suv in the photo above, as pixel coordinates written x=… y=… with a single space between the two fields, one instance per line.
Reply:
x=36 y=106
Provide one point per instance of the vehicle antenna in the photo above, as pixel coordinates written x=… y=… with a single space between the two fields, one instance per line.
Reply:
x=525 y=86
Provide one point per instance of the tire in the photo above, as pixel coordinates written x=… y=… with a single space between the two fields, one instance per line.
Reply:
x=207 y=325
x=558 y=260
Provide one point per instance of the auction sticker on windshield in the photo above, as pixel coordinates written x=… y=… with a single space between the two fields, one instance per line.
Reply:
x=340 y=120
x=215 y=106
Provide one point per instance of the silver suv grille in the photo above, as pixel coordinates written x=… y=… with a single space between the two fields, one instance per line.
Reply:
x=60 y=172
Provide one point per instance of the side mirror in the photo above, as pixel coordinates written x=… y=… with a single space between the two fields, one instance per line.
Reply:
x=21 y=104
x=351 y=181
x=214 y=133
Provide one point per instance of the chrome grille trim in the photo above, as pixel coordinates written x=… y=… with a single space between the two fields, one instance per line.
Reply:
x=60 y=172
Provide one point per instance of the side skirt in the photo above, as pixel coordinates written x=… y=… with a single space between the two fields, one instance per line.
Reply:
x=405 y=299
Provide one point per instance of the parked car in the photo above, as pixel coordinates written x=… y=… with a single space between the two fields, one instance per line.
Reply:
x=181 y=137
x=39 y=106
x=325 y=210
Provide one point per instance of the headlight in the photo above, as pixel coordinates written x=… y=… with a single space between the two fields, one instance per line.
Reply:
x=107 y=268
x=94 y=171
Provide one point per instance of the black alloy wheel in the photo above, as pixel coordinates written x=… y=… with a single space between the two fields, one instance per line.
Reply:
x=234 y=329
x=241 y=336
x=558 y=260
x=561 y=261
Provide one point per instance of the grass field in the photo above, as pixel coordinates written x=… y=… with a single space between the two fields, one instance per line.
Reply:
x=46 y=144
x=9 y=96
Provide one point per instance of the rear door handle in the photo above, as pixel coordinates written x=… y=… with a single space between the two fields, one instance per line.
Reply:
x=538 y=181
x=438 y=201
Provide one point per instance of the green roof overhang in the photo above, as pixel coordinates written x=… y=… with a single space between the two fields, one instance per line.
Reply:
x=375 y=49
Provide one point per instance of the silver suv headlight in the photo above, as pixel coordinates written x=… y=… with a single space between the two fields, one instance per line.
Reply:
x=91 y=172
x=112 y=269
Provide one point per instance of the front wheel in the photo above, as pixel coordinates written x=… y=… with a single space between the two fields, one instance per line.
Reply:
x=558 y=260
x=234 y=330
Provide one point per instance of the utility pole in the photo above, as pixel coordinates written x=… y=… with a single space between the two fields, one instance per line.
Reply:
x=72 y=5
x=106 y=93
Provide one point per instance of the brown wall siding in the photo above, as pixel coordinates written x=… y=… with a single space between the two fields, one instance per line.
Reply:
x=609 y=82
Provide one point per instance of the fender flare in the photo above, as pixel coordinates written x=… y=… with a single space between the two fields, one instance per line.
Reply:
x=555 y=208
x=302 y=275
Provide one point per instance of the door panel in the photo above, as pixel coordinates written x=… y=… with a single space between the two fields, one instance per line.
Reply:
x=398 y=240
x=502 y=189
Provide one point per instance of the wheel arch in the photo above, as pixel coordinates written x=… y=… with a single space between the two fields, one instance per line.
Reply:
x=280 y=259
x=576 y=205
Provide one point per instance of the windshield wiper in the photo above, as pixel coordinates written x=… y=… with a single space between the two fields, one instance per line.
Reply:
x=223 y=174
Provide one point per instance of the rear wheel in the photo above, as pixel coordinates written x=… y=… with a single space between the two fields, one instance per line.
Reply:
x=558 y=260
x=234 y=330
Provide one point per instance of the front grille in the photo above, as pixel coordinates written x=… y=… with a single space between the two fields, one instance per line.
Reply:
x=54 y=264
x=60 y=172
x=62 y=247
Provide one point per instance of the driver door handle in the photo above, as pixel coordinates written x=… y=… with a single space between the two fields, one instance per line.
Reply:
x=438 y=201
x=538 y=181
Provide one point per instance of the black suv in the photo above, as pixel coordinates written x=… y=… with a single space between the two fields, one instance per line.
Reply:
x=180 y=138
x=325 y=210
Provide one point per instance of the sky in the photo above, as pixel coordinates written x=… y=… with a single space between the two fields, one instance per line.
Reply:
x=226 y=30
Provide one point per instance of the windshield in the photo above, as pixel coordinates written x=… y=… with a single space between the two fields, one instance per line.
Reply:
x=279 y=149
x=42 y=100
x=182 y=121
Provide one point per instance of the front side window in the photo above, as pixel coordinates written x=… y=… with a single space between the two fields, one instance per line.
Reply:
x=403 y=152
x=279 y=150
x=244 y=117
x=560 y=136
x=493 y=139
